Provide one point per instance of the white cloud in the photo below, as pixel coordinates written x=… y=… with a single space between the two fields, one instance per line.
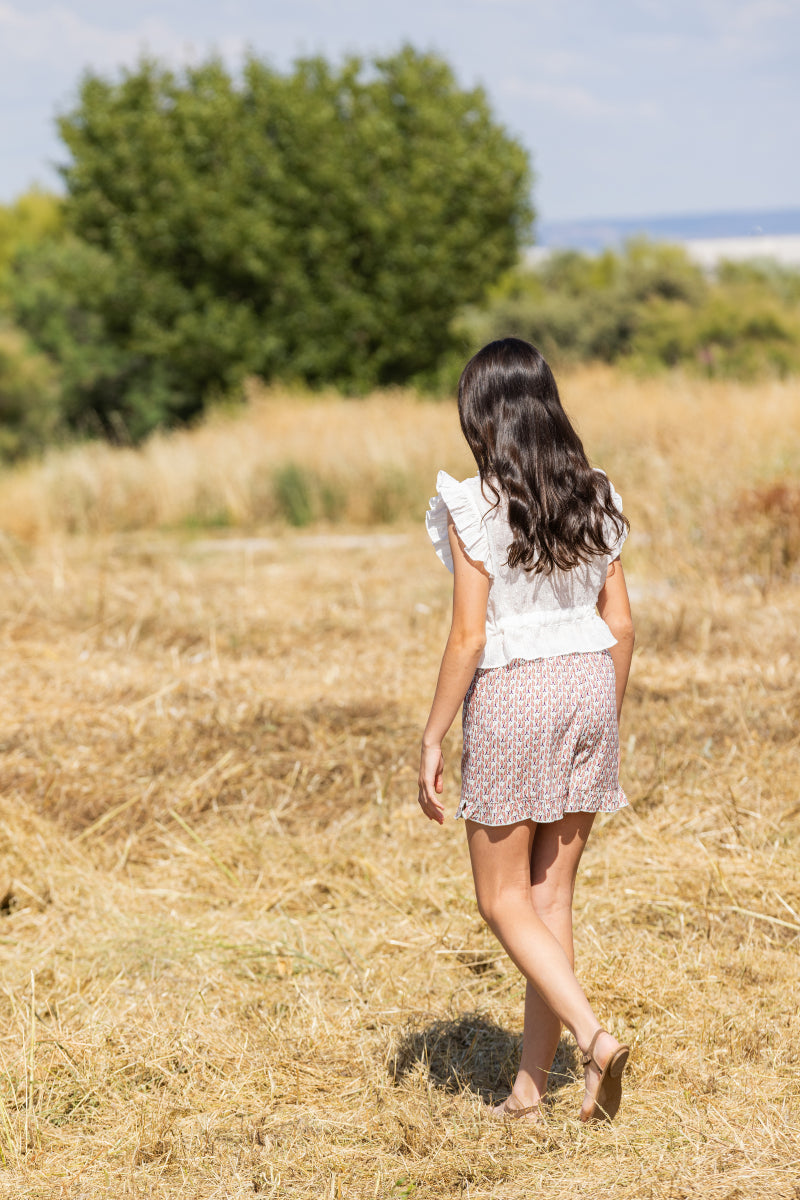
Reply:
x=557 y=64
x=526 y=4
x=733 y=29
x=755 y=27
x=749 y=14
x=722 y=14
x=59 y=36
x=571 y=99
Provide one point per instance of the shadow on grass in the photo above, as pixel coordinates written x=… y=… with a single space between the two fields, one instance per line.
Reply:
x=474 y=1055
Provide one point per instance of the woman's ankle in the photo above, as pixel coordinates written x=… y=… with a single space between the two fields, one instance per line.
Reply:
x=601 y=1045
x=528 y=1090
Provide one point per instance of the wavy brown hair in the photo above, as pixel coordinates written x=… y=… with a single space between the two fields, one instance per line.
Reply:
x=560 y=510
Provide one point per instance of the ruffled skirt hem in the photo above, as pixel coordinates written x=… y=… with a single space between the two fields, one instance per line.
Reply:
x=485 y=813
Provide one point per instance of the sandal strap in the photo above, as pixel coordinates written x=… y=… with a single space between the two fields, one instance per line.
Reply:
x=588 y=1055
x=519 y=1112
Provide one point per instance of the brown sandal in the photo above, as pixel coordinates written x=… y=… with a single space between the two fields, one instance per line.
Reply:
x=608 y=1093
x=514 y=1114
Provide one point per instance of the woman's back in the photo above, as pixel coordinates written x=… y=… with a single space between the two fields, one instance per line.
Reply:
x=530 y=614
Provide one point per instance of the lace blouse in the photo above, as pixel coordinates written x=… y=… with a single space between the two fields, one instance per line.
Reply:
x=529 y=615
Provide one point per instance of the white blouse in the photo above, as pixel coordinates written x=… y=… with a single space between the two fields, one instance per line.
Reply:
x=529 y=615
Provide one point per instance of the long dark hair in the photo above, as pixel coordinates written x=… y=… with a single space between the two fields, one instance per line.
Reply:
x=559 y=509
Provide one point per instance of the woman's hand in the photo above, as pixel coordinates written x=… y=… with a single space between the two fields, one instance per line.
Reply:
x=431 y=783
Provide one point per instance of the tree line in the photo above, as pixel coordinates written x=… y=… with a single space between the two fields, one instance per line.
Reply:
x=358 y=226
x=649 y=307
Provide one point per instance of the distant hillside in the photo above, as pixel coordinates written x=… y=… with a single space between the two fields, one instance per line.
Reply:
x=594 y=235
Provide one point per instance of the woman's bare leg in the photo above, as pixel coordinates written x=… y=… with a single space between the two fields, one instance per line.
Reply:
x=557 y=850
x=501 y=867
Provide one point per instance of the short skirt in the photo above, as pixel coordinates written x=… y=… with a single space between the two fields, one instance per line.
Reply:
x=541 y=740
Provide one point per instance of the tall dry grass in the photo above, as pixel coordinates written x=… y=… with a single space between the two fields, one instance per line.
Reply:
x=236 y=960
x=690 y=456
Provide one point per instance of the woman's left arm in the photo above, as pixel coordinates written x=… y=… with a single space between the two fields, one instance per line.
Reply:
x=614 y=607
x=461 y=656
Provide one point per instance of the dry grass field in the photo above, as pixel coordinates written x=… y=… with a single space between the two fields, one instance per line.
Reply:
x=236 y=960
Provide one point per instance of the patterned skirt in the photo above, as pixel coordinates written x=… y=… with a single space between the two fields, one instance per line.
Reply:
x=541 y=740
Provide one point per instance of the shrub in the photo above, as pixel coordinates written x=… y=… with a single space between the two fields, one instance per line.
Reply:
x=29 y=390
x=294 y=494
x=650 y=307
x=78 y=304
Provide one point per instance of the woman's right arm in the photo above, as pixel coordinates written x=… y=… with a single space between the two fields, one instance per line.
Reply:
x=461 y=656
x=615 y=609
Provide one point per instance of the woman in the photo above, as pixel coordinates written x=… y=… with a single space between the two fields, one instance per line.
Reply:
x=539 y=653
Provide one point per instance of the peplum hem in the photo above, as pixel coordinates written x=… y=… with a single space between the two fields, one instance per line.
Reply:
x=454 y=497
x=546 y=634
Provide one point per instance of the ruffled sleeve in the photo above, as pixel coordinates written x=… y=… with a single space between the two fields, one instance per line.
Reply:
x=456 y=498
x=616 y=542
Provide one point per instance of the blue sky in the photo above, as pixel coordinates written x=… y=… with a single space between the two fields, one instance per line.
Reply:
x=629 y=107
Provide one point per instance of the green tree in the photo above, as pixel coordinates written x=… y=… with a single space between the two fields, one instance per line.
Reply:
x=325 y=224
x=32 y=218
